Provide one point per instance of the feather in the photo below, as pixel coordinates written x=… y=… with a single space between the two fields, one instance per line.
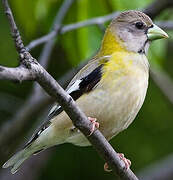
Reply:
x=77 y=89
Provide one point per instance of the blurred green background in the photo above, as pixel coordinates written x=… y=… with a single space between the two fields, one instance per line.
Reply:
x=147 y=140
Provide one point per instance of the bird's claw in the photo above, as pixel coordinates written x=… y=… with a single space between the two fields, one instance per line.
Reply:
x=106 y=167
x=95 y=124
x=127 y=162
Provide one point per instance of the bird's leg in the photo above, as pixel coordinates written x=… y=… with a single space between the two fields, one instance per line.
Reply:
x=94 y=124
x=127 y=163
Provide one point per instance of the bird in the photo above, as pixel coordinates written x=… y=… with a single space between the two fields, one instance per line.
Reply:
x=110 y=89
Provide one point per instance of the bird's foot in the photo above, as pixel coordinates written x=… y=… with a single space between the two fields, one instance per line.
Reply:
x=127 y=163
x=106 y=167
x=95 y=124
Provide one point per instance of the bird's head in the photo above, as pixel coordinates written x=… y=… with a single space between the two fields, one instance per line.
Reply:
x=135 y=30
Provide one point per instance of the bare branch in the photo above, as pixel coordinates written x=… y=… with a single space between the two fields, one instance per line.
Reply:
x=157 y=7
x=70 y=27
x=17 y=74
x=163 y=81
x=79 y=119
x=64 y=29
x=167 y=25
x=41 y=40
x=95 y=21
x=14 y=31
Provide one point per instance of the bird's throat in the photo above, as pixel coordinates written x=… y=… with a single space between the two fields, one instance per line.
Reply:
x=110 y=44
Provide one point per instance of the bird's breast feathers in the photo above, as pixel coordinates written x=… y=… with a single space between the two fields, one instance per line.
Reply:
x=119 y=94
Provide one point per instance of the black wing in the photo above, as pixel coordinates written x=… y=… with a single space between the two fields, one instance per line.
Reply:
x=79 y=87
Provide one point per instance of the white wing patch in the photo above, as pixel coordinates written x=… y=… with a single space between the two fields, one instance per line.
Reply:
x=74 y=87
x=54 y=108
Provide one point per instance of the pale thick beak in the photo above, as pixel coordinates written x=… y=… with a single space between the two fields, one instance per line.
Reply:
x=156 y=33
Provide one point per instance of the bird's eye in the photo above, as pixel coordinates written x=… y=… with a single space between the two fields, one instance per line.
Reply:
x=139 y=25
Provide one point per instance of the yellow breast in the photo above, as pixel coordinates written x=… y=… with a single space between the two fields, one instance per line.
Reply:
x=121 y=61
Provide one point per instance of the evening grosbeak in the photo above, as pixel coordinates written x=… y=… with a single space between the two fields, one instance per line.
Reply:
x=110 y=88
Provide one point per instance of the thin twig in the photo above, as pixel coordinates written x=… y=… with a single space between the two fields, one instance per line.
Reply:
x=41 y=40
x=166 y=25
x=70 y=27
x=95 y=21
x=14 y=31
x=157 y=7
x=163 y=81
x=89 y=22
